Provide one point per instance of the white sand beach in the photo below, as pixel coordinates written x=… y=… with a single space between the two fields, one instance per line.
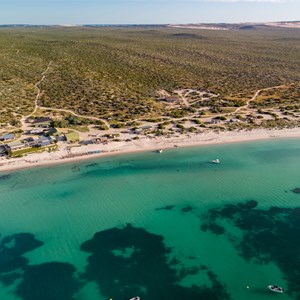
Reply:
x=64 y=154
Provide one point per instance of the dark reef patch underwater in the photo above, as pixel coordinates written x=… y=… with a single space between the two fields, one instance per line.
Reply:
x=296 y=190
x=12 y=260
x=5 y=177
x=271 y=235
x=123 y=262
x=47 y=281
x=132 y=261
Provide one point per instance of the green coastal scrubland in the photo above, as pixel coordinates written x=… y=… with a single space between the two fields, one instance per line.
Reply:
x=116 y=73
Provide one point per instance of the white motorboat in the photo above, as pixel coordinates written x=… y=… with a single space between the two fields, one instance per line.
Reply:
x=275 y=288
x=215 y=161
x=135 y=298
x=160 y=151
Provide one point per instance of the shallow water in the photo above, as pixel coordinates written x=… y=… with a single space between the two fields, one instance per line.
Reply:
x=161 y=226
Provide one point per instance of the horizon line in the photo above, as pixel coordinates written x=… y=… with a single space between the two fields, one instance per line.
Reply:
x=141 y=24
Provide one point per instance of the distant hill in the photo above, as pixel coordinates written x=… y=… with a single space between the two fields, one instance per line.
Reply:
x=291 y=24
x=238 y=26
x=80 y=25
x=21 y=26
x=211 y=26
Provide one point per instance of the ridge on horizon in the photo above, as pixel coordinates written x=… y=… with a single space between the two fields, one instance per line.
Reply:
x=144 y=24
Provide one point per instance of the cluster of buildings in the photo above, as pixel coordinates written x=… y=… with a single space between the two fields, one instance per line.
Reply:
x=42 y=134
x=41 y=141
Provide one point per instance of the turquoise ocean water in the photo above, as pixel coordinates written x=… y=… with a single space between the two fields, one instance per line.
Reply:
x=161 y=226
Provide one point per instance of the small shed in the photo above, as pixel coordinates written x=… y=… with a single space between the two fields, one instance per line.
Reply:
x=96 y=140
x=37 y=130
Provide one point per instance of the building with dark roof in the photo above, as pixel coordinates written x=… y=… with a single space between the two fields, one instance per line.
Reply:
x=3 y=150
x=42 y=122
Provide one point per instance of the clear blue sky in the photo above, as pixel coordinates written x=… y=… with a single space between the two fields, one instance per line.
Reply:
x=145 y=11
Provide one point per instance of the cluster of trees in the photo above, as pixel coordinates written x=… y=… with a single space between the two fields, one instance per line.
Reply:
x=288 y=95
x=70 y=120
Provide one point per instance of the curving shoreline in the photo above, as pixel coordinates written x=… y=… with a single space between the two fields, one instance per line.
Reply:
x=142 y=145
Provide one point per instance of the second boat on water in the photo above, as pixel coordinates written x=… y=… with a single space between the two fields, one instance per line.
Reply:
x=215 y=161
x=275 y=288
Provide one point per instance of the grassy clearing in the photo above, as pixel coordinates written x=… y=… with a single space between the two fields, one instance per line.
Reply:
x=22 y=152
x=80 y=128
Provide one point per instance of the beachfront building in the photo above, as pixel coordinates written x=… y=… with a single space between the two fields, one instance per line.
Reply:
x=16 y=145
x=42 y=141
x=7 y=137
